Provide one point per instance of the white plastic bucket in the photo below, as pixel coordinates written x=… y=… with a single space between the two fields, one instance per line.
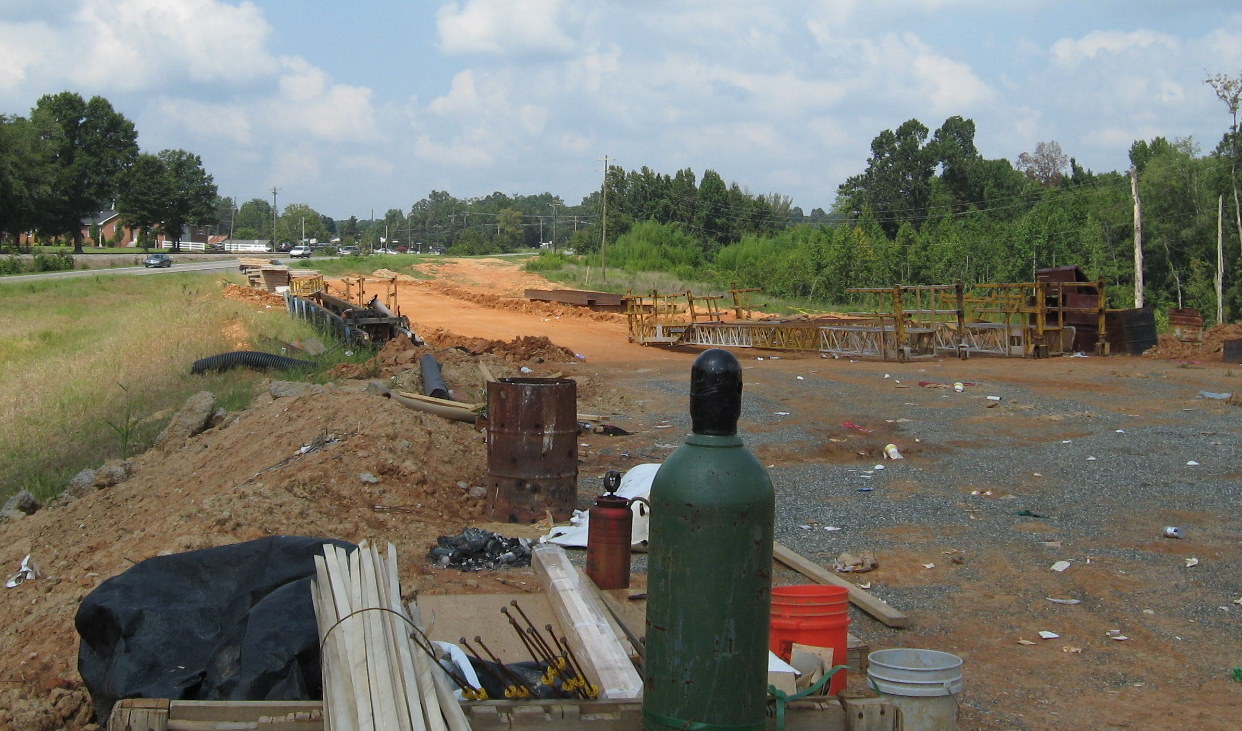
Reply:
x=923 y=683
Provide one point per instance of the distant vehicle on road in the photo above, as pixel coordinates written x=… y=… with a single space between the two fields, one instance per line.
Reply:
x=158 y=260
x=300 y=252
x=348 y=250
x=384 y=251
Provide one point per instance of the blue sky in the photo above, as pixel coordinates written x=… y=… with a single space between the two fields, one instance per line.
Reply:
x=354 y=106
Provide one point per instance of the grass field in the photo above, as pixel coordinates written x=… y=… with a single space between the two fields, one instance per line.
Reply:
x=91 y=368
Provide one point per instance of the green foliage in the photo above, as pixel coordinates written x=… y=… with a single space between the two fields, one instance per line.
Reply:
x=651 y=246
x=548 y=261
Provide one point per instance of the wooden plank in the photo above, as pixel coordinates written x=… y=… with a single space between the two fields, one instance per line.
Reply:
x=584 y=621
x=387 y=697
x=404 y=650
x=442 y=401
x=859 y=597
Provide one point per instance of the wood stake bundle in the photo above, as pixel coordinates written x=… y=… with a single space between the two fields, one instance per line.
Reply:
x=375 y=677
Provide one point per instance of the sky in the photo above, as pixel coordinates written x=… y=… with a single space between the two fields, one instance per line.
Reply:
x=369 y=105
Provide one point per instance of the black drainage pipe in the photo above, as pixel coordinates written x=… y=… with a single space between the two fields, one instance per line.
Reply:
x=247 y=359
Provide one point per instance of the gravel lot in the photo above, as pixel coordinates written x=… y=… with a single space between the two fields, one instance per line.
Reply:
x=1081 y=459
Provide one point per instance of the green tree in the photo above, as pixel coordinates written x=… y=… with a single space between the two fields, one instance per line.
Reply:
x=298 y=218
x=191 y=194
x=91 y=145
x=143 y=196
x=897 y=182
x=254 y=220
x=509 y=230
x=25 y=175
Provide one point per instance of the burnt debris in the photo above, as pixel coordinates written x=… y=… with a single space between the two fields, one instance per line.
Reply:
x=475 y=549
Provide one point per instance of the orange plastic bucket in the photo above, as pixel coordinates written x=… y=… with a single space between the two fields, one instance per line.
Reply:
x=815 y=615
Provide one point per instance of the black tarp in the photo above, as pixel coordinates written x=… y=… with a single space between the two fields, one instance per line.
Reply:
x=228 y=623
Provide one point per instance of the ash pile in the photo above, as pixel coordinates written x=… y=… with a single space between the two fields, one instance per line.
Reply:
x=475 y=549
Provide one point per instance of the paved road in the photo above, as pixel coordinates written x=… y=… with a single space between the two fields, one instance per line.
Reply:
x=188 y=266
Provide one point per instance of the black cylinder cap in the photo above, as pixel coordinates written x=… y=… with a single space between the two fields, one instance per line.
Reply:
x=715 y=393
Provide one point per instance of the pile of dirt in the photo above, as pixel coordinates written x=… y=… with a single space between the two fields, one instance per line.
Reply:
x=516 y=304
x=253 y=295
x=523 y=349
x=328 y=461
x=1211 y=349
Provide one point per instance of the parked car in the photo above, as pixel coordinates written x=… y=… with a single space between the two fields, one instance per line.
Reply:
x=384 y=251
x=348 y=250
x=158 y=260
x=300 y=252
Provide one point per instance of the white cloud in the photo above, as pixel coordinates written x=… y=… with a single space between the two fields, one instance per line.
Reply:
x=300 y=163
x=213 y=121
x=136 y=44
x=1071 y=51
x=505 y=27
x=311 y=104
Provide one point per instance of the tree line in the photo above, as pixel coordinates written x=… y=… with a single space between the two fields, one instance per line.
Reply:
x=72 y=157
x=929 y=209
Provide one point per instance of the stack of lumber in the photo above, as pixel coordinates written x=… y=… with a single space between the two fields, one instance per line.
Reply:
x=375 y=676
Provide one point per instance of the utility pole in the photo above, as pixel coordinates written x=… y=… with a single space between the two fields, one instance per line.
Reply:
x=233 y=216
x=554 y=228
x=1138 y=238
x=275 y=190
x=603 y=241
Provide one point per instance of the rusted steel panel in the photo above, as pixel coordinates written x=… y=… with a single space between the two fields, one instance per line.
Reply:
x=579 y=297
x=1186 y=325
x=532 y=449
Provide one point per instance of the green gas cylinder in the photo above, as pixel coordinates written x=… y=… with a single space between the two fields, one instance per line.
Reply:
x=709 y=567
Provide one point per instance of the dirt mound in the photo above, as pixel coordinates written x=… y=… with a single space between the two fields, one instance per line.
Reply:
x=537 y=349
x=323 y=460
x=254 y=296
x=1211 y=349
x=517 y=304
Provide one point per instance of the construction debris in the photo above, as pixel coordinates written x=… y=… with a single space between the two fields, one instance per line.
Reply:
x=475 y=549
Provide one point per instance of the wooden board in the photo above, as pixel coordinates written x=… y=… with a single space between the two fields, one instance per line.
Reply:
x=858 y=714
x=604 y=659
x=859 y=597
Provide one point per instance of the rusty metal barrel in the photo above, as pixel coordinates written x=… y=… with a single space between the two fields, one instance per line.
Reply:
x=532 y=449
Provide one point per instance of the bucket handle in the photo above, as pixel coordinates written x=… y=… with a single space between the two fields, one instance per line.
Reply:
x=946 y=683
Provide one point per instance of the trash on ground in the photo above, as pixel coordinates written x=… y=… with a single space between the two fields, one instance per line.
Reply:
x=1090 y=459
x=855 y=427
x=1030 y=514
x=891 y=452
x=1115 y=634
x=1060 y=566
x=929 y=565
x=1192 y=562
x=1046 y=635
x=1216 y=396
x=1027 y=642
x=878 y=467
x=1055 y=600
x=994 y=398
x=1192 y=463
x=475 y=549
x=609 y=430
x=1071 y=650
x=1172 y=531
x=26 y=572
x=851 y=563
x=959 y=387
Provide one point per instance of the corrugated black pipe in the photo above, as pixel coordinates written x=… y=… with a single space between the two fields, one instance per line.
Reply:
x=247 y=359
x=433 y=379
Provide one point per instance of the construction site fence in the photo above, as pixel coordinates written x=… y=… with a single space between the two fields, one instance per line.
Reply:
x=325 y=320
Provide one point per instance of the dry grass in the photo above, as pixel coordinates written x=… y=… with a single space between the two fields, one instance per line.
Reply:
x=90 y=368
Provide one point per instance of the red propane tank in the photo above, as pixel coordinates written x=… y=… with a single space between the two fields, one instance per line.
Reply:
x=608 y=537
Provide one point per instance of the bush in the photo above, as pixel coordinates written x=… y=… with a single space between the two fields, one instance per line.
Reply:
x=547 y=261
x=57 y=262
